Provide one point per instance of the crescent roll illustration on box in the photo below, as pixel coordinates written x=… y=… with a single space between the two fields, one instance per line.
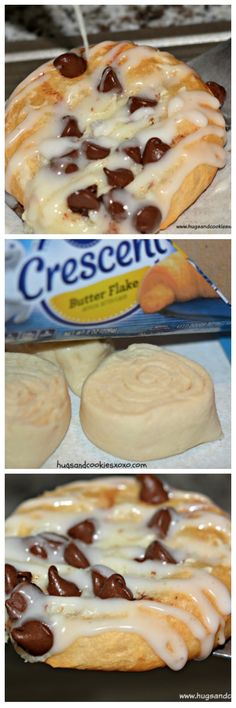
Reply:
x=123 y=141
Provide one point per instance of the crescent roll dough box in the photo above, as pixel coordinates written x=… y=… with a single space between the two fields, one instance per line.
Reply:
x=67 y=289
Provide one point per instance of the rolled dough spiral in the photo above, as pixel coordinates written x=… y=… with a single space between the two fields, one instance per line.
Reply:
x=37 y=410
x=146 y=403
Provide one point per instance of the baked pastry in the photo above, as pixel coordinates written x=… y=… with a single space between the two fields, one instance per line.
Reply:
x=117 y=574
x=38 y=410
x=77 y=358
x=121 y=143
x=173 y=280
x=145 y=403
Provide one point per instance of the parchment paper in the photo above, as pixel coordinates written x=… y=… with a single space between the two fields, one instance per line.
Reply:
x=210 y=214
x=77 y=449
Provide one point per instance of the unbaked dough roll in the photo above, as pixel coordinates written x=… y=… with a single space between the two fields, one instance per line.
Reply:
x=37 y=410
x=77 y=359
x=146 y=403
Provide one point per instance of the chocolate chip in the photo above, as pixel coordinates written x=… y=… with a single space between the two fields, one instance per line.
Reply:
x=84 y=531
x=70 y=65
x=71 y=128
x=154 y=150
x=218 y=91
x=152 y=490
x=84 y=200
x=109 y=81
x=34 y=637
x=136 y=102
x=118 y=178
x=156 y=551
x=95 y=152
x=72 y=167
x=114 y=586
x=10 y=578
x=59 y=586
x=134 y=152
x=148 y=219
x=161 y=522
x=116 y=209
x=37 y=550
x=16 y=605
x=13 y=577
x=74 y=556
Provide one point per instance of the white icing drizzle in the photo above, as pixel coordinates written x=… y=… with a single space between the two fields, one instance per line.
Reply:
x=105 y=119
x=199 y=534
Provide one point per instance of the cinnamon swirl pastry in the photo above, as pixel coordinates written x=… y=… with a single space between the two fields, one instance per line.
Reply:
x=117 y=574
x=145 y=403
x=122 y=142
x=38 y=410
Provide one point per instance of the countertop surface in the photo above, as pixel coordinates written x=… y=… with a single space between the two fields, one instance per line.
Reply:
x=47 y=21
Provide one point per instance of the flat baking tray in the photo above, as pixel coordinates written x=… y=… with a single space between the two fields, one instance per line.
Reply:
x=37 y=682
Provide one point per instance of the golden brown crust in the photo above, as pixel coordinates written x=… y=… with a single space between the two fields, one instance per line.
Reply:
x=51 y=91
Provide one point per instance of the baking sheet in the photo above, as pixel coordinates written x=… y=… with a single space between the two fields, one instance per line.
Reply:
x=77 y=450
x=210 y=214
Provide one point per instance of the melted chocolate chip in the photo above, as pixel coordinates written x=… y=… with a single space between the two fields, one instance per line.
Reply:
x=34 y=637
x=136 y=102
x=70 y=65
x=109 y=81
x=72 y=167
x=59 y=586
x=161 y=522
x=84 y=531
x=38 y=550
x=154 y=150
x=13 y=577
x=84 y=200
x=134 y=152
x=95 y=152
x=10 y=578
x=58 y=165
x=74 y=556
x=152 y=490
x=218 y=91
x=116 y=209
x=71 y=128
x=114 y=586
x=16 y=605
x=156 y=551
x=148 y=219
x=118 y=178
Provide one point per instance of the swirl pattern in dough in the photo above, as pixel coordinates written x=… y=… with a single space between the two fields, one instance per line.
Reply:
x=146 y=403
x=121 y=143
x=38 y=410
x=117 y=574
